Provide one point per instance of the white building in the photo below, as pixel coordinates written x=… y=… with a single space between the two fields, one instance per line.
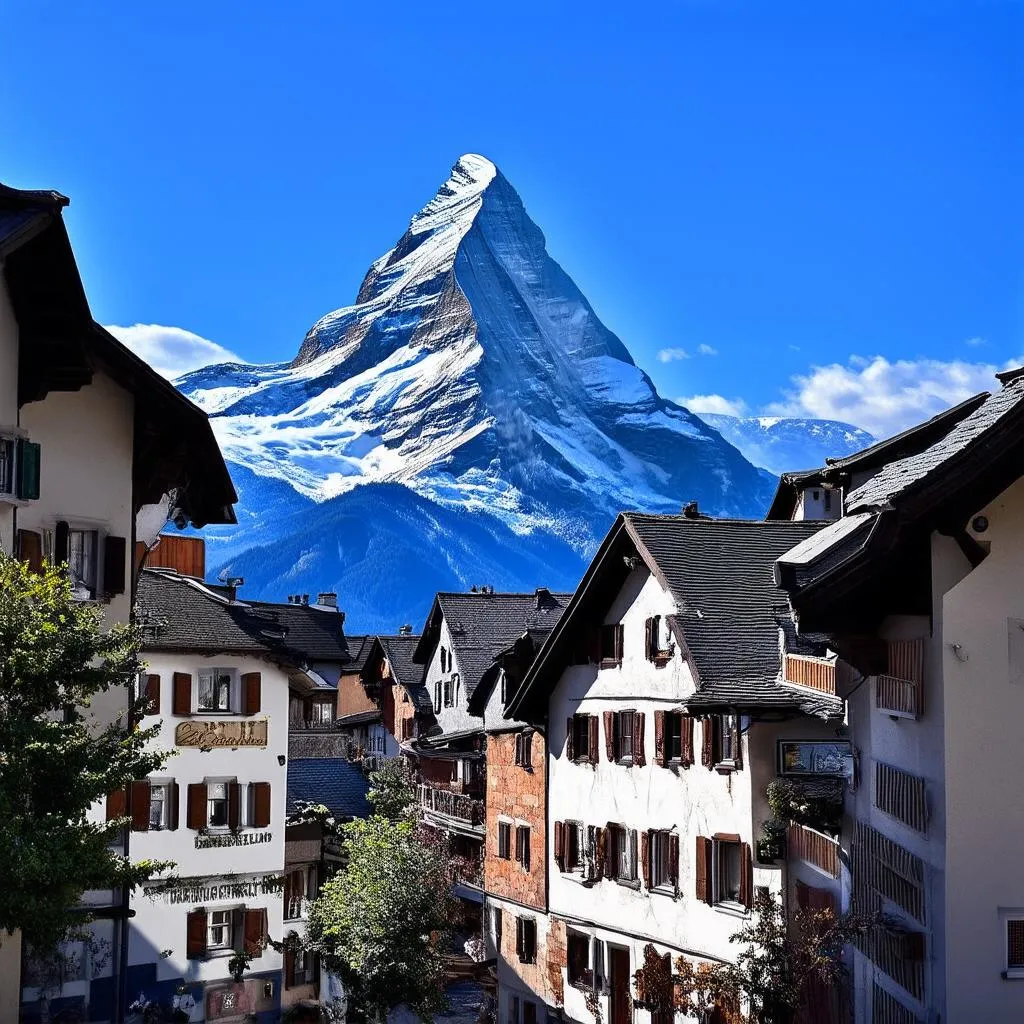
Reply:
x=665 y=704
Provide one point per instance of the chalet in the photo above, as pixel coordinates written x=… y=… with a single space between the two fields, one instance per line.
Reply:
x=917 y=587
x=395 y=682
x=667 y=715
x=97 y=452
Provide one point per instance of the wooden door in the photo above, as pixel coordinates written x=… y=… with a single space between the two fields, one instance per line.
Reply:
x=619 y=978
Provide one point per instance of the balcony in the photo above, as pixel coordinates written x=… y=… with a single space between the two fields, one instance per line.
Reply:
x=817 y=673
x=456 y=807
x=815 y=848
x=898 y=697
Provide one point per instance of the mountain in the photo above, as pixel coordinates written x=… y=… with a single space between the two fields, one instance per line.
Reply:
x=473 y=375
x=779 y=443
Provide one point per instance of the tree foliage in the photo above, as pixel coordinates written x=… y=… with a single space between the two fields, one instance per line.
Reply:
x=56 y=759
x=382 y=924
x=392 y=791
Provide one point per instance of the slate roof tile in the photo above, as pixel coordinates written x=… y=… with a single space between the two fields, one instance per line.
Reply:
x=332 y=781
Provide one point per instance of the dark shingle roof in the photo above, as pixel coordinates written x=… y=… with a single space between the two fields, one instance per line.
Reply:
x=332 y=781
x=399 y=651
x=482 y=625
x=359 y=648
x=179 y=614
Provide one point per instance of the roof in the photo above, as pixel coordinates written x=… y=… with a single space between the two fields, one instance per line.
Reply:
x=399 y=651
x=332 y=781
x=483 y=624
x=179 y=613
x=358 y=648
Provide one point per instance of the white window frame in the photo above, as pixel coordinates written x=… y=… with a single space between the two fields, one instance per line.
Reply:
x=218 y=948
x=91 y=587
x=729 y=726
x=234 y=689
x=716 y=874
x=1006 y=915
x=225 y=782
x=661 y=838
x=8 y=494
x=163 y=788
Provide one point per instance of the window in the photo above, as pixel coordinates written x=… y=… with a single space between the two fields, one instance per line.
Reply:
x=448 y=693
x=610 y=645
x=321 y=712
x=622 y=853
x=800 y=757
x=582 y=738
x=574 y=845
x=526 y=940
x=302 y=967
x=524 y=749
x=624 y=726
x=578 y=959
x=217 y=804
x=82 y=563
x=1015 y=946
x=437 y=695
x=727 y=872
x=721 y=742
x=8 y=446
x=529 y=1012
x=159 y=805
x=408 y=728
x=664 y=854
x=673 y=737
x=496 y=920
x=504 y=840
x=513 y=1010
x=523 y=846
x=215 y=689
x=728 y=739
x=658 y=641
x=220 y=930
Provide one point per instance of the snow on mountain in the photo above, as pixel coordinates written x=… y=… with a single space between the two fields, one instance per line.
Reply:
x=472 y=371
x=779 y=443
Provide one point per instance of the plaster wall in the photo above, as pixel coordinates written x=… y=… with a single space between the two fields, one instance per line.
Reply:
x=456 y=718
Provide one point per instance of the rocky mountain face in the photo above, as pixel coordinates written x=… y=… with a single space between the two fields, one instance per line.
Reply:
x=469 y=413
x=779 y=444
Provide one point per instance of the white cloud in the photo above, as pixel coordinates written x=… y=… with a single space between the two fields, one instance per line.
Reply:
x=976 y=342
x=171 y=351
x=707 y=350
x=700 y=404
x=670 y=355
x=881 y=396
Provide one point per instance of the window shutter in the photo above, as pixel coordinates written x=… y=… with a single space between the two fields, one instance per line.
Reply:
x=289 y=968
x=569 y=752
x=152 y=695
x=520 y=938
x=173 y=795
x=181 y=703
x=30 y=549
x=704 y=893
x=254 y=928
x=560 y=845
x=601 y=848
x=61 y=537
x=195 y=941
x=659 y=737
x=673 y=860
x=620 y=633
x=260 y=804
x=28 y=469
x=687 y=730
x=594 y=755
x=609 y=735
x=645 y=857
x=251 y=687
x=139 y=804
x=639 y=755
x=737 y=748
x=196 y=816
x=746 y=876
x=707 y=750
x=115 y=555
x=595 y=646
x=117 y=804
x=234 y=804
x=649 y=639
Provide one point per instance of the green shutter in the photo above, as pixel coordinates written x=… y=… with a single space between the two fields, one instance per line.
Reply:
x=28 y=470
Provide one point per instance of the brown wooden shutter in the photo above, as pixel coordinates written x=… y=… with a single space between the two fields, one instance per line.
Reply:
x=61 y=539
x=600 y=850
x=649 y=639
x=181 y=703
x=595 y=645
x=673 y=860
x=704 y=893
x=253 y=930
x=289 y=968
x=594 y=755
x=687 y=730
x=139 y=801
x=560 y=845
x=645 y=857
x=195 y=941
x=196 y=815
x=115 y=563
x=609 y=734
x=737 y=745
x=260 y=804
x=174 y=796
x=117 y=804
x=152 y=694
x=620 y=633
x=30 y=549
x=707 y=750
x=234 y=804
x=639 y=754
x=569 y=752
x=746 y=876
x=659 y=737
x=251 y=692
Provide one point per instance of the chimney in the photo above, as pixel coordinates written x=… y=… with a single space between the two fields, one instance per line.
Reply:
x=327 y=598
x=690 y=511
x=544 y=599
x=405 y=630
x=305 y=598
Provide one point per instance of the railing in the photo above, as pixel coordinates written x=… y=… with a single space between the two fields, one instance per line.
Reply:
x=309 y=725
x=813 y=672
x=452 y=805
x=296 y=908
x=814 y=847
x=370 y=763
x=898 y=696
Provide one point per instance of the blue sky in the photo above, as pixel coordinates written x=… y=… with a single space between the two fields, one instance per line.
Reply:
x=827 y=196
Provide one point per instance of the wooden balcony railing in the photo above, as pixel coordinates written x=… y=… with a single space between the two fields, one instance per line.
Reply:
x=452 y=805
x=813 y=672
x=814 y=847
x=898 y=696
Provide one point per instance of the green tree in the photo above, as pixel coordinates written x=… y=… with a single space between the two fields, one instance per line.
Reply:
x=382 y=924
x=55 y=760
x=392 y=791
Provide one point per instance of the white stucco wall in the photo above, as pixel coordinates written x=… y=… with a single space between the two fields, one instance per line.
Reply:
x=457 y=718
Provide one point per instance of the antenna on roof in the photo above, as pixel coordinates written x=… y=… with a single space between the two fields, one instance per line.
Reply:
x=231 y=583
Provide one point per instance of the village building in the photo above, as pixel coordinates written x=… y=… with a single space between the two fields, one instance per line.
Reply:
x=219 y=680
x=667 y=717
x=394 y=682
x=918 y=587
x=84 y=498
